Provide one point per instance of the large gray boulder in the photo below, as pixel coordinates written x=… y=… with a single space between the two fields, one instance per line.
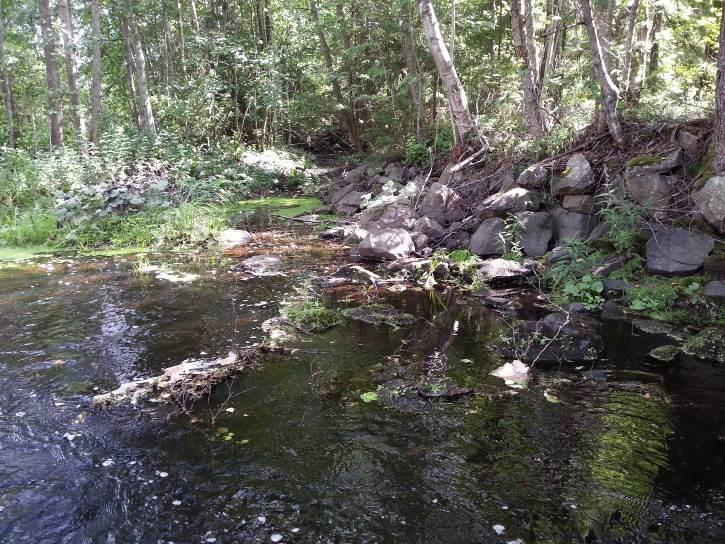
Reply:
x=534 y=177
x=715 y=289
x=710 y=201
x=570 y=225
x=514 y=200
x=229 y=238
x=579 y=203
x=488 y=238
x=386 y=244
x=578 y=178
x=535 y=232
x=651 y=190
x=677 y=252
x=655 y=165
x=346 y=200
x=442 y=204
x=356 y=175
x=503 y=270
x=429 y=227
x=398 y=215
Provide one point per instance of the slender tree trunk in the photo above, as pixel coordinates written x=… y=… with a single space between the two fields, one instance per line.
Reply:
x=148 y=123
x=610 y=93
x=194 y=17
x=533 y=117
x=632 y=10
x=336 y=89
x=719 y=128
x=66 y=25
x=182 y=39
x=95 y=133
x=7 y=87
x=131 y=72
x=413 y=68
x=464 y=127
x=51 y=74
x=167 y=49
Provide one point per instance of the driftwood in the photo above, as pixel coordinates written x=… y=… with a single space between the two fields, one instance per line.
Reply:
x=184 y=383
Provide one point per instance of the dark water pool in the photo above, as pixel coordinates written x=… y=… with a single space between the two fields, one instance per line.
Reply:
x=290 y=453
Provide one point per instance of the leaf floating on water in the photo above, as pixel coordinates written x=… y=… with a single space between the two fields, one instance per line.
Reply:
x=467 y=361
x=230 y=410
x=551 y=398
x=514 y=372
x=500 y=529
x=369 y=396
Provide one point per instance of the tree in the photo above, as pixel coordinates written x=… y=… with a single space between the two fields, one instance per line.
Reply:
x=719 y=128
x=413 y=69
x=66 y=25
x=148 y=123
x=51 y=74
x=610 y=92
x=632 y=9
x=95 y=132
x=523 y=38
x=464 y=126
x=6 y=84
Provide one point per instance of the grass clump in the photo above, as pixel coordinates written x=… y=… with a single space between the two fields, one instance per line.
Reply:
x=312 y=316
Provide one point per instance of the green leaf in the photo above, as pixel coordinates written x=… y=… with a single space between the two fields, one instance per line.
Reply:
x=369 y=396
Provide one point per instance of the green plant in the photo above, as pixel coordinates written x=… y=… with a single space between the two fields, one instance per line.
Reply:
x=511 y=238
x=654 y=298
x=311 y=316
x=622 y=217
x=587 y=290
x=575 y=261
x=416 y=153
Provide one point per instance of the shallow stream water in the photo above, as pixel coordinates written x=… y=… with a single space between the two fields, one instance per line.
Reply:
x=289 y=452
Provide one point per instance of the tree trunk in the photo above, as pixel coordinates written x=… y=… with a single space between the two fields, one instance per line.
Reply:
x=337 y=91
x=148 y=123
x=632 y=10
x=66 y=25
x=464 y=127
x=7 y=88
x=719 y=128
x=95 y=133
x=51 y=74
x=131 y=72
x=182 y=39
x=412 y=66
x=610 y=93
x=533 y=117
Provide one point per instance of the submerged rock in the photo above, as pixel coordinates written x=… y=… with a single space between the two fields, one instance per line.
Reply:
x=229 y=238
x=677 y=252
x=380 y=314
x=262 y=265
x=665 y=353
x=708 y=345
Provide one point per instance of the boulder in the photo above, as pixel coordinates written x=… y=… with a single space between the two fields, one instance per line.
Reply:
x=386 y=244
x=488 y=238
x=715 y=266
x=535 y=233
x=570 y=225
x=356 y=175
x=398 y=215
x=714 y=289
x=689 y=142
x=651 y=190
x=229 y=238
x=677 y=252
x=599 y=232
x=655 y=165
x=534 y=177
x=456 y=240
x=341 y=193
x=579 y=203
x=710 y=201
x=611 y=311
x=429 y=227
x=420 y=240
x=442 y=204
x=394 y=171
x=495 y=270
x=262 y=265
x=578 y=178
x=511 y=201
x=502 y=181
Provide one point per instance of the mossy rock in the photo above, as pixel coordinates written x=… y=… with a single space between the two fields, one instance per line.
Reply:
x=665 y=354
x=708 y=345
x=311 y=317
x=380 y=314
x=643 y=161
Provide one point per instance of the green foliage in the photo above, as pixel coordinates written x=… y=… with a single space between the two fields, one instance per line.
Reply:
x=622 y=217
x=511 y=238
x=587 y=290
x=27 y=228
x=311 y=316
x=574 y=264
x=416 y=153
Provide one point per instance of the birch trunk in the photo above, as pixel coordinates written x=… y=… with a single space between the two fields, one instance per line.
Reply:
x=464 y=127
x=632 y=10
x=610 y=93
x=533 y=117
x=95 y=132
x=194 y=17
x=7 y=88
x=413 y=68
x=719 y=128
x=148 y=123
x=71 y=64
x=51 y=74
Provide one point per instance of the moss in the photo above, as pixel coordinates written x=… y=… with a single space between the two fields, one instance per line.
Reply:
x=15 y=254
x=702 y=170
x=379 y=314
x=665 y=353
x=708 y=345
x=280 y=205
x=311 y=316
x=566 y=172
x=643 y=161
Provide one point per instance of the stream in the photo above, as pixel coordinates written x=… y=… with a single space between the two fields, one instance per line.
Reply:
x=289 y=452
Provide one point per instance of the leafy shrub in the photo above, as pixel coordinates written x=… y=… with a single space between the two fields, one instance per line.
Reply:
x=30 y=227
x=416 y=153
x=622 y=217
x=587 y=290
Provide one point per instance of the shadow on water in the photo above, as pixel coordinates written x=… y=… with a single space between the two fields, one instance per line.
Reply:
x=635 y=455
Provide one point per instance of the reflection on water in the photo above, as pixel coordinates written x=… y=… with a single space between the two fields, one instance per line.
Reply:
x=635 y=458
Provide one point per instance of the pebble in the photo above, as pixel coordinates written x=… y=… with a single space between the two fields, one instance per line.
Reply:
x=500 y=529
x=107 y=463
x=262 y=519
x=276 y=537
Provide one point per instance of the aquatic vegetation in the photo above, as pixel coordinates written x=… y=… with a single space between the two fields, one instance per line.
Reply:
x=311 y=316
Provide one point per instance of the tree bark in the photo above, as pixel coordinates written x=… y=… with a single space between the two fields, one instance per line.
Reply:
x=413 y=68
x=336 y=89
x=533 y=118
x=194 y=17
x=131 y=72
x=632 y=10
x=51 y=74
x=71 y=64
x=719 y=128
x=148 y=123
x=95 y=132
x=464 y=127
x=7 y=87
x=610 y=93
x=182 y=39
